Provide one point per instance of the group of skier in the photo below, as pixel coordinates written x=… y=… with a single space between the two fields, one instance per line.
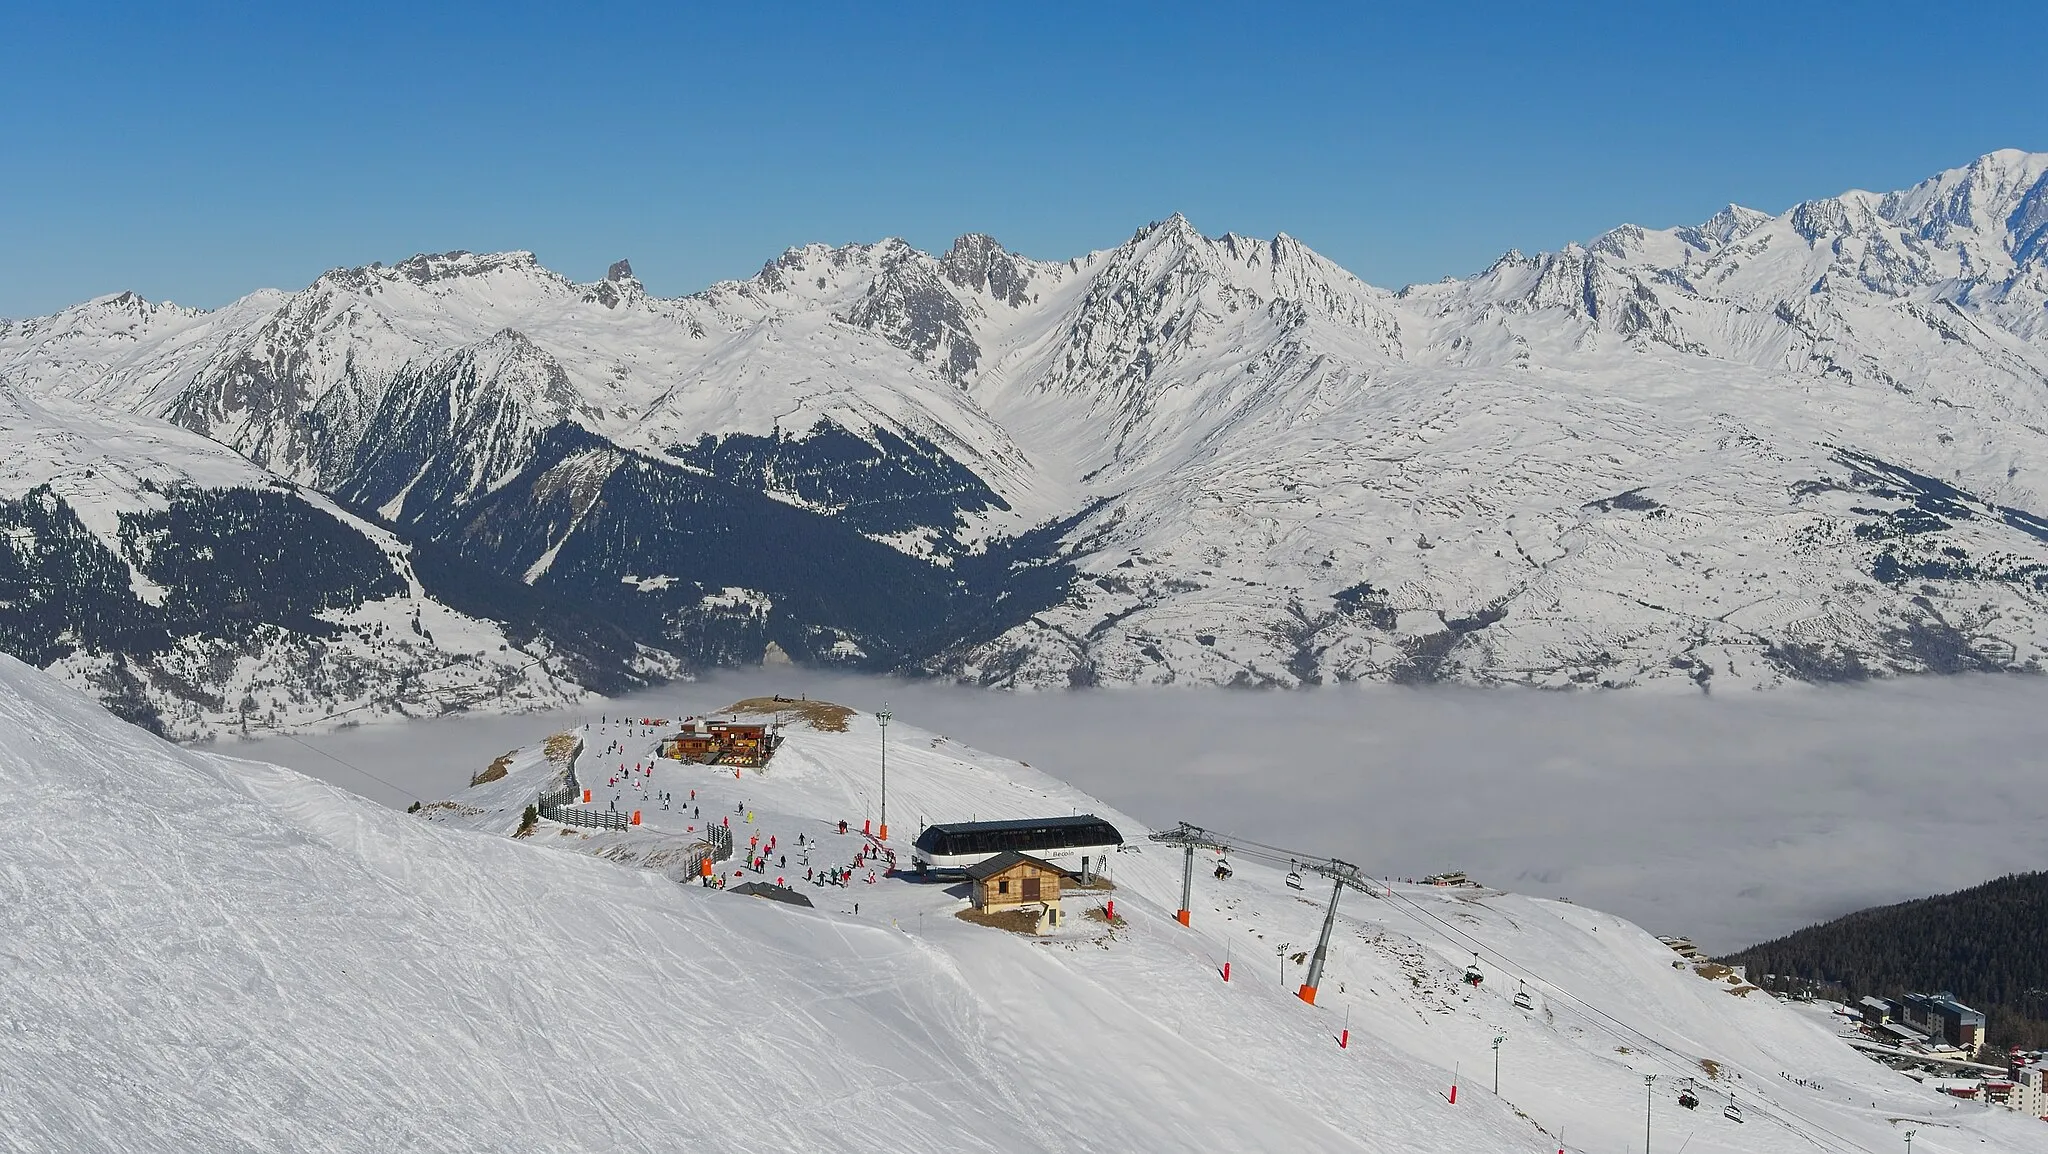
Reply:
x=762 y=855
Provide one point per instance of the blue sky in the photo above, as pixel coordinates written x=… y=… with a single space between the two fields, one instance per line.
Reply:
x=197 y=152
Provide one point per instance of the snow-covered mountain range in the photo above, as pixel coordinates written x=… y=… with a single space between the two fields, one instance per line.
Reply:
x=1804 y=446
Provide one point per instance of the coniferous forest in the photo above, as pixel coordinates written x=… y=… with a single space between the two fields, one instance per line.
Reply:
x=1987 y=944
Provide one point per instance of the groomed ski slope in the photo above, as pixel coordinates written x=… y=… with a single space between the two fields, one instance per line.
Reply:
x=208 y=954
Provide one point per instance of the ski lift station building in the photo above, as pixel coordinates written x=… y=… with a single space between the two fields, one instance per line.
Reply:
x=1080 y=844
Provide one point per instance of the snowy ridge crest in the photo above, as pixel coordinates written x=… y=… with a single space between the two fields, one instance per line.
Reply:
x=1210 y=459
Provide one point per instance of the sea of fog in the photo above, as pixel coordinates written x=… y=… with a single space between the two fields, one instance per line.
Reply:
x=1734 y=819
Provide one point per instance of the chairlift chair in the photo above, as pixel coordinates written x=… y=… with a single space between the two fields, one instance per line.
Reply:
x=1294 y=880
x=1686 y=1097
x=1732 y=1112
x=1472 y=975
x=1523 y=1001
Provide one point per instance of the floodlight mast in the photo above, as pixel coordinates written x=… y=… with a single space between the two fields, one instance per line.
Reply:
x=882 y=717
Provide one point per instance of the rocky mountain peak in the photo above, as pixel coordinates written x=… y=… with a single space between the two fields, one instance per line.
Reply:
x=426 y=268
x=909 y=304
x=980 y=265
x=618 y=286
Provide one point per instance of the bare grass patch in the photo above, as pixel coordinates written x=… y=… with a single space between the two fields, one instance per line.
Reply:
x=1016 y=921
x=822 y=716
x=492 y=772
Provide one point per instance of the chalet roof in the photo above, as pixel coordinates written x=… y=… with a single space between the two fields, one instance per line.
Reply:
x=1084 y=819
x=771 y=892
x=1007 y=859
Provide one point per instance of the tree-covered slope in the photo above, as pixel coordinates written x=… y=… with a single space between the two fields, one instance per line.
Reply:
x=1988 y=944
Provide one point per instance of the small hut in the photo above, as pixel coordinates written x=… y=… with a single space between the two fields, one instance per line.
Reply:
x=1014 y=881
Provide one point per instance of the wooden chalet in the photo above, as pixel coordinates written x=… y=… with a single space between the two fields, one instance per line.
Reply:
x=1015 y=881
x=742 y=743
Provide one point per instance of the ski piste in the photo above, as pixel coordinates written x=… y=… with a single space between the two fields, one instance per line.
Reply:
x=270 y=957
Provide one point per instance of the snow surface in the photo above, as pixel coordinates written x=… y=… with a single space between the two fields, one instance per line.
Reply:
x=205 y=953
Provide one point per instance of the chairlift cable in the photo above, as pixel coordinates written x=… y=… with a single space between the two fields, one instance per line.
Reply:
x=1344 y=872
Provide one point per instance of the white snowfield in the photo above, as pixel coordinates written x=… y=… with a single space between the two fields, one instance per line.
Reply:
x=199 y=953
x=1644 y=459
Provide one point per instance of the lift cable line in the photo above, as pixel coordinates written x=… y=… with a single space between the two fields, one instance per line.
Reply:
x=1452 y=934
x=1193 y=837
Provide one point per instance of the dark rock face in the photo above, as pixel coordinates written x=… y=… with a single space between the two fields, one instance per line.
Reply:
x=978 y=264
x=450 y=426
x=891 y=485
x=714 y=569
x=909 y=307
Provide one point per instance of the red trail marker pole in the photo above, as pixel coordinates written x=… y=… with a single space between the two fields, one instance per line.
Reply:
x=1454 y=1085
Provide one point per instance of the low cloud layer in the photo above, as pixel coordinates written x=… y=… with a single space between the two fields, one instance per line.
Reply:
x=1734 y=819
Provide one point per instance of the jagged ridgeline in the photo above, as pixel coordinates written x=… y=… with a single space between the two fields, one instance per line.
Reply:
x=1988 y=944
x=1810 y=446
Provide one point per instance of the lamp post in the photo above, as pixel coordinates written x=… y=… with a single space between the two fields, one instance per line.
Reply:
x=882 y=716
x=1649 y=1092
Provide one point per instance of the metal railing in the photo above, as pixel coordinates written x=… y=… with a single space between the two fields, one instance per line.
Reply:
x=561 y=806
x=718 y=849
